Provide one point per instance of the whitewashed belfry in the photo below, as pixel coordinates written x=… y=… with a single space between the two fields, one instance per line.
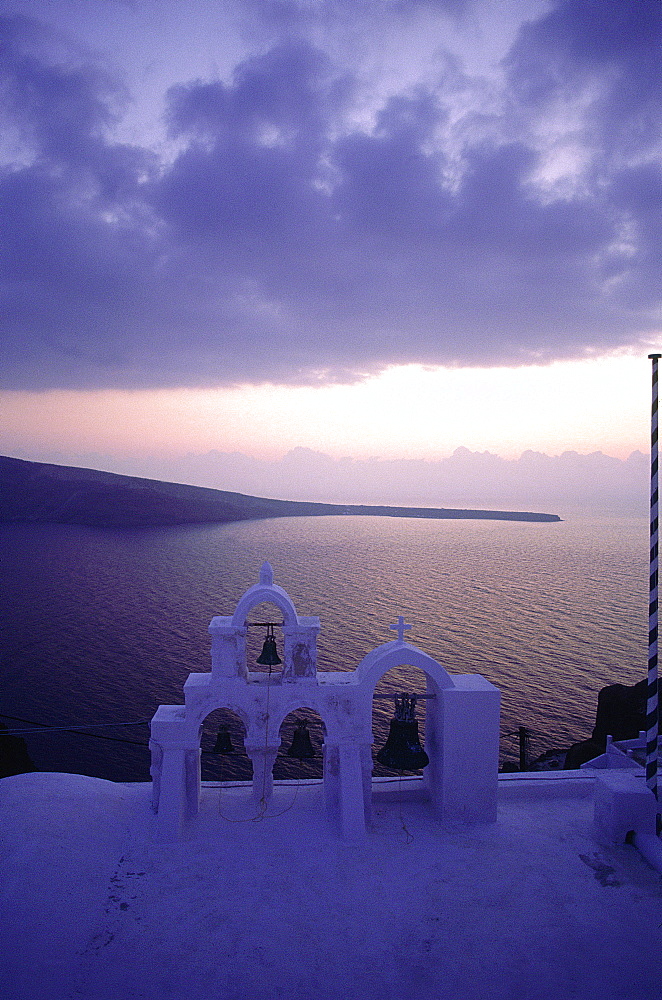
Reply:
x=461 y=731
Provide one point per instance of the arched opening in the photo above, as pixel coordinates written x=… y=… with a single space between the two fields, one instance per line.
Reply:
x=287 y=766
x=256 y=633
x=216 y=764
x=400 y=679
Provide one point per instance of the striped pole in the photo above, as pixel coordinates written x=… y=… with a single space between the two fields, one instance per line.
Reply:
x=652 y=703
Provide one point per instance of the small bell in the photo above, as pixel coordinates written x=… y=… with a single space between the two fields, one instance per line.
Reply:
x=223 y=741
x=301 y=747
x=269 y=656
x=402 y=750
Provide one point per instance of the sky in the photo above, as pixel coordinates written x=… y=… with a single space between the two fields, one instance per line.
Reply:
x=370 y=229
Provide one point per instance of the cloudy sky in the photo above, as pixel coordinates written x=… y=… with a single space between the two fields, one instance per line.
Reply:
x=367 y=227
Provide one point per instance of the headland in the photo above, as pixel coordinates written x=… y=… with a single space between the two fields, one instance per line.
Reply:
x=38 y=492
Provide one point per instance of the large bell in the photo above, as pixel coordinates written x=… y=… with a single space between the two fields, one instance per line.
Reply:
x=223 y=741
x=402 y=750
x=269 y=656
x=301 y=747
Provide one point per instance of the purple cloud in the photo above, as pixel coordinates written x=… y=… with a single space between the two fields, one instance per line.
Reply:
x=286 y=238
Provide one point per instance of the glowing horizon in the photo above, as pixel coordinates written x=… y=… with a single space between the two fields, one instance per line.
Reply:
x=409 y=411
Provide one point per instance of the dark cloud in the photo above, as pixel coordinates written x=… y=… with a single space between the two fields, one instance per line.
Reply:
x=285 y=242
x=604 y=55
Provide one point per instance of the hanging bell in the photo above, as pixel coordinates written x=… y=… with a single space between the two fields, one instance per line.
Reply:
x=301 y=747
x=269 y=656
x=223 y=741
x=402 y=750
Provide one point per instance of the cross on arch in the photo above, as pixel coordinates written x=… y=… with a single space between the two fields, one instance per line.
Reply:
x=401 y=628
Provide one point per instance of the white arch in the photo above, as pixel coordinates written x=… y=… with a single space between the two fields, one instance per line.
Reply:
x=310 y=704
x=398 y=654
x=265 y=591
x=259 y=594
x=222 y=704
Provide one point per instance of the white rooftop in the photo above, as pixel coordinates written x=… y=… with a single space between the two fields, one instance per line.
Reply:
x=247 y=908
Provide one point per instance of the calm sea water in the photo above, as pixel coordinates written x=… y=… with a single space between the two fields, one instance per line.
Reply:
x=103 y=626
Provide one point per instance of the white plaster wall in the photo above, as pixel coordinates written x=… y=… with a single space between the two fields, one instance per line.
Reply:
x=462 y=728
x=469 y=758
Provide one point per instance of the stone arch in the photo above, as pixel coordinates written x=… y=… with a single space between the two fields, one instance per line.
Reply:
x=288 y=767
x=387 y=685
x=229 y=634
x=266 y=591
x=300 y=701
x=196 y=719
x=398 y=654
x=438 y=683
x=214 y=767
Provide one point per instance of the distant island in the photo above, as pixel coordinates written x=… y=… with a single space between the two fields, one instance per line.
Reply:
x=36 y=492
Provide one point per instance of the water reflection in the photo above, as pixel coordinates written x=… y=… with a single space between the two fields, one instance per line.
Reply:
x=103 y=626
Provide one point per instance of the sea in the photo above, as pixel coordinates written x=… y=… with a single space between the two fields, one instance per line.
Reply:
x=101 y=626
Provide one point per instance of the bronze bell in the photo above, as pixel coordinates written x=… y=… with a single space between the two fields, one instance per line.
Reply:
x=402 y=750
x=223 y=741
x=269 y=656
x=301 y=747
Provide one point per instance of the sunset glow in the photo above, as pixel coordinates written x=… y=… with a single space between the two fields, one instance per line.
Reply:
x=407 y=412
x=368 y=230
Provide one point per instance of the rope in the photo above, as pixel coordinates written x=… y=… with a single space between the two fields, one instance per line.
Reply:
x=69 y=729
x=263 y=800
x=409 y=837
x=263 y=804
x=44 y=728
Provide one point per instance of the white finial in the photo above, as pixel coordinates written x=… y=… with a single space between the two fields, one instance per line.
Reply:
x=400 y=628
x=266 y=574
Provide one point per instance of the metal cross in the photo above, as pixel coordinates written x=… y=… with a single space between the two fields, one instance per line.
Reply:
x=401 y=628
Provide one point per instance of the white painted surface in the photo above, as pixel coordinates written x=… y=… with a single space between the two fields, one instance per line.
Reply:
x=623 y=804
x=462 y=729
x=531 y=907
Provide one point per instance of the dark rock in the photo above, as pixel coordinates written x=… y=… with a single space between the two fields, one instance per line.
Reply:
x=14 y=756
x=621 y=714
x=580 y=753
x=551 y=760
